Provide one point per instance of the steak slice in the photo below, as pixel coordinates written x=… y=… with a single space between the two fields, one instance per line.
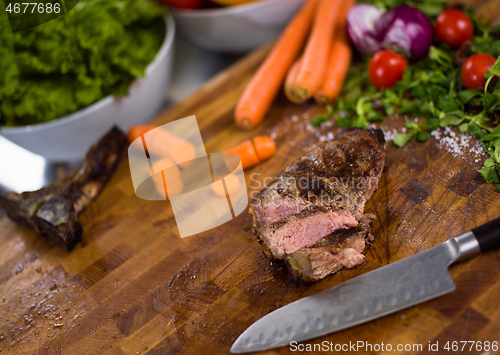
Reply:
x=340 y=175
x=319 y=193
x=341 y=249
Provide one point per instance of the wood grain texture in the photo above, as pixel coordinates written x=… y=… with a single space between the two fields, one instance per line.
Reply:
x=133 y=286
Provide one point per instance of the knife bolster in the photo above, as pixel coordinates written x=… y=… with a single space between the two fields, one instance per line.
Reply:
x=466 y=245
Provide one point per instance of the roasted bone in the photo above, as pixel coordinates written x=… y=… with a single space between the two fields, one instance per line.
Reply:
x=53 y=211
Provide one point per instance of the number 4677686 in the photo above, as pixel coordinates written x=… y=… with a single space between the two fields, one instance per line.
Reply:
x=471 y=345
x=39 y=8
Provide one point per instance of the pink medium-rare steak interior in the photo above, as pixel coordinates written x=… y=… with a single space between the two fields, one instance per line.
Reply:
x=270 y=211
x=291 y=234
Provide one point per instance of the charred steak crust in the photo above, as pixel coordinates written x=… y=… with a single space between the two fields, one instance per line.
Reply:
x=317 y=199
x=340 y=174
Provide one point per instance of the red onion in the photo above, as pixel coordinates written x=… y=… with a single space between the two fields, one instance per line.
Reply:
x=405 y=30
x=361 y=28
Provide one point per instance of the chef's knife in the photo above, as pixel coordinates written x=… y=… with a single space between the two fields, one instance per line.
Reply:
x=383 y=291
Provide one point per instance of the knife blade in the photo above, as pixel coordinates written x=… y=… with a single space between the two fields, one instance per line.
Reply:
x=399 y=285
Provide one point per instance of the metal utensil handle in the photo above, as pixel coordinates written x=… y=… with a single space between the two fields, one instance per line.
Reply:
x=488 y=235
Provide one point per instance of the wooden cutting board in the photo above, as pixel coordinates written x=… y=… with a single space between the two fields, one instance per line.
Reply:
x=133 y=286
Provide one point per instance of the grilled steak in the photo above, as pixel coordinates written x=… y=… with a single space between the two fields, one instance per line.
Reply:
x=319 y=193
x=341 y=249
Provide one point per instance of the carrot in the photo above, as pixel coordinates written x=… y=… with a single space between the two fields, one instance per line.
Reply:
x=263 y=87
x=247 y=154
x=167 y=181
x=253 y=152
x=138 y=130
x=164 y=143
x=315 y=57
x=264 y=147
x=290 y=82
x=232 y=185
x=338 y=62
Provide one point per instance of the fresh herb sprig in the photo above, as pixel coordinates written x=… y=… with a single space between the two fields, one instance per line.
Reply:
x=430 y=89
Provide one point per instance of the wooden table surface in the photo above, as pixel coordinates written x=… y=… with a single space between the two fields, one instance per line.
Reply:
x=133 y=286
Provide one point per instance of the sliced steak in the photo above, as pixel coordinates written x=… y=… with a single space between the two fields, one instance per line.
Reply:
x=319 y=193
x=341 y=249
x=303 y=229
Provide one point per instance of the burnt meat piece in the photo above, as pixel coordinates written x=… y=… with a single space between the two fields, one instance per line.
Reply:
x=319 y=193
x=53 y=211
x=341 y=249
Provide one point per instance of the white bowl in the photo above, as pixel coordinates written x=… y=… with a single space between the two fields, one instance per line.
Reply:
x=68 y=138
x=236 y=29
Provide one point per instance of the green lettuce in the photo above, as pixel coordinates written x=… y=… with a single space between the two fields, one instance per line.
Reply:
x=97 y=49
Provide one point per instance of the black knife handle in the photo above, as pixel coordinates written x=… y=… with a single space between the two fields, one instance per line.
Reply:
x=488 y=235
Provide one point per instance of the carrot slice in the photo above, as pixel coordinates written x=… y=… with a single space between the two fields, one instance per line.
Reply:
x=232 y=185
x=263 y=87
x=314 y=60
x=164 y=143
x=247 y=154
x=169 y=180
x=291 y=77
x=338 y=62
x=264 y=147
x=138 y=130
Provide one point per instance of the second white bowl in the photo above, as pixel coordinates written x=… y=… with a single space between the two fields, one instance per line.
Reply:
x=236 y=29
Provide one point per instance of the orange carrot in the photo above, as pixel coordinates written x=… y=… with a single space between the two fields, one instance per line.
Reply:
x=290 y=82
x=264 y=147
x=138 y=130
x=260 y=92
x=247 y=154
x=253 y=152
x=232 y=185
x=338 y=62
x=338 y=65
x=167 y=180
x=164 y=143
x=315 y=57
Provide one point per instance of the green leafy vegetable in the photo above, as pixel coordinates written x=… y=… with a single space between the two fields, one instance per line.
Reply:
x=96 y=49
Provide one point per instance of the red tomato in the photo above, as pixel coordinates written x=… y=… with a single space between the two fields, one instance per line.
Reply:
x=453 y=27
x=386 y=68
x=473 y=70
x=183 y=4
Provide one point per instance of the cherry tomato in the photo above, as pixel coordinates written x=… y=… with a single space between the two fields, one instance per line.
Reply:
x=386 y=68
x=453 y=27
x=473 y=70
x=183 y=4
